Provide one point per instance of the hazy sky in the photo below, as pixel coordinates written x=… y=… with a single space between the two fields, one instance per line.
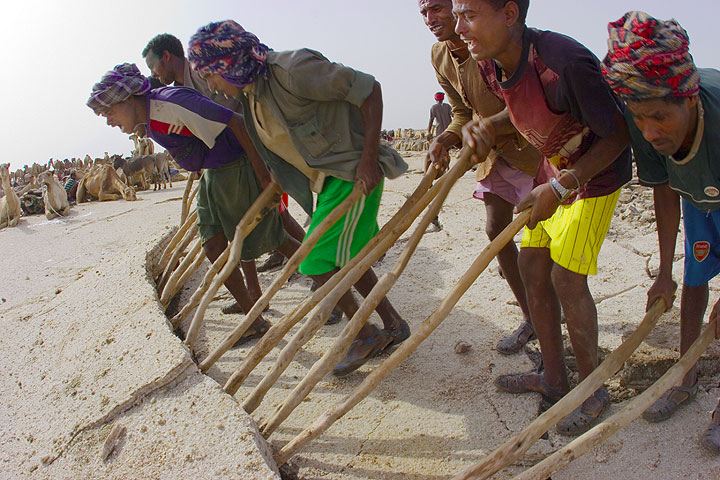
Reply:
x=56 y=50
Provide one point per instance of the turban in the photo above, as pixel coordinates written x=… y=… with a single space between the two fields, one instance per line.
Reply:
x=648 y=58
x=439 y=96
x=226 y=48
x=117 y=85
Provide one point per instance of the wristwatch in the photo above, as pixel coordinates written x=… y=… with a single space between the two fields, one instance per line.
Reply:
x=561 y=192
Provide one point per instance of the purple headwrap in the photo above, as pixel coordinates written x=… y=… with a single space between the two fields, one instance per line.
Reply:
x=226 y=48
x=648 y=58
x=117 y=85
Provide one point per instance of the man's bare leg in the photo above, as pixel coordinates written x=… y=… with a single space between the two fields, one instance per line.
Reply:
x=499 y=215
x=292 y=226
x=251 y=278
x=544 y=308
x=693 y=303
x=390 y=317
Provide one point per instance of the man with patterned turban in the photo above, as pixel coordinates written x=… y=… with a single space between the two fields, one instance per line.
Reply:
x=557 y=99
x=317 y=125
x=673 y=115
x=200 y=134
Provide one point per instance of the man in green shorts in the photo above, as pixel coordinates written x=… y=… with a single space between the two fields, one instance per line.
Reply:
x=200 y=134
x=317 y=125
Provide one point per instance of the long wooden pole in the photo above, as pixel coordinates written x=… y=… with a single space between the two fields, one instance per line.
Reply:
x=380 y=243
x=584 y=443
x=268 y=199
x=175 y=257
x=409 y=346
x=520 y=443
x=290 y=267
x=342 y=344
x=170 y=247
x=202 y=288
x=185 y=207
x=189 y=263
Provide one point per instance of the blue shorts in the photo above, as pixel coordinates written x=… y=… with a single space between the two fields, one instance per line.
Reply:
x=702 y=245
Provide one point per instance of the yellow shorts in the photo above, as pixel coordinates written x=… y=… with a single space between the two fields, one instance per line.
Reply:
x=575 y=233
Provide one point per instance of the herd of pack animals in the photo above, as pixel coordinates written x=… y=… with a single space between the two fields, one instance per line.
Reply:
x=109 y=178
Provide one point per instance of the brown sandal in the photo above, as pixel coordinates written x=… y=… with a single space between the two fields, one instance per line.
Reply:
x=517 y=383
x=711 y=437
x=514 y=342
x=664 y=407
x=580 y=420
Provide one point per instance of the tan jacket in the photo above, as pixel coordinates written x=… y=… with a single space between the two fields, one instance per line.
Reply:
x=469 y=98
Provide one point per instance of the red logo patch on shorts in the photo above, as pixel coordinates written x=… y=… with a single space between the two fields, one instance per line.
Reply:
x=701 y=250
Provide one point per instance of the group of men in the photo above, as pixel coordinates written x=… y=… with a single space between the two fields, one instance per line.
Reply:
x=551 y=127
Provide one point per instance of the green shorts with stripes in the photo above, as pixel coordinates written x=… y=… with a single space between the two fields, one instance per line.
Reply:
x=224 y=195
x=348 y=235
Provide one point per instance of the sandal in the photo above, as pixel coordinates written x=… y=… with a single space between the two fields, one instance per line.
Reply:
x=711 y=437
x=664 y=407
x=256 y=330
x=276 y=259
x=517 y=383
x=362 y=350
x=235 y=307
x=399 y=334
x=515 y=341
x=580 y=421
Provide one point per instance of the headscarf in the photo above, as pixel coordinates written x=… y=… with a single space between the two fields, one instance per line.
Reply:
x=439 y=96
x=226 y=48
x=648 y=58
x=117 y=85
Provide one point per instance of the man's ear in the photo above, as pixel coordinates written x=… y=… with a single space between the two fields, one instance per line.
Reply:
x=166 y=56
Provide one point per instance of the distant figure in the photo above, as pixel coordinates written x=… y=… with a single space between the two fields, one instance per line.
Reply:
x=441 y=112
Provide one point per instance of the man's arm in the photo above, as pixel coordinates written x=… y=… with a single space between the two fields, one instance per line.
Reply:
x=667 y=213
x=599 y=156
x=237 y=126
x=369 y=171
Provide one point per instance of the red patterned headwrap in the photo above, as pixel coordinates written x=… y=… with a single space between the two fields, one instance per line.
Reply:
x=648 y=58
x=439 y=96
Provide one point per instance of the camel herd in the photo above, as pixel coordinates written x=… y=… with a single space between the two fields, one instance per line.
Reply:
x=54 y=187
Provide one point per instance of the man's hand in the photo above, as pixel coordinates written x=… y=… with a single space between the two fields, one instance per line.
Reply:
x=543 y=201
x=369 y=173
x=479 y=136
x=714 y=316
x=663 y=287
x=437 y=155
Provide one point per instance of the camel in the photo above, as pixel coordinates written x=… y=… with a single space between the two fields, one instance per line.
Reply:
x=54 y=196
x=9 y=204
x=103 y=183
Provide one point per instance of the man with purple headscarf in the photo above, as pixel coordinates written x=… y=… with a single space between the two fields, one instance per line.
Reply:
x=317 y=125
x=200 y=134
x=674 y=119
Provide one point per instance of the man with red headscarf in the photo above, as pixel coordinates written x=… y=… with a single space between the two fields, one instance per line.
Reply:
x=441 y=112
x=673 y=115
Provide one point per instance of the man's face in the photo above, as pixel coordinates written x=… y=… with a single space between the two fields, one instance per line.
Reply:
x=123 y=116
x=160 y=67
x=667 y=126
x=484 y=29
x=216 y=83
x=439 y=18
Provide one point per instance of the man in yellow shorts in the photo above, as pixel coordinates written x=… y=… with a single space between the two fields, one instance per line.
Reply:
x=557 y=99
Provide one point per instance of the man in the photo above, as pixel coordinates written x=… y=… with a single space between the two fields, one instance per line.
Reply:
x=672 y=115
x=200 y=134
x=506 y=176
x=317 y=125
x=441 y=112
x=165 y=57
x=557 y=98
